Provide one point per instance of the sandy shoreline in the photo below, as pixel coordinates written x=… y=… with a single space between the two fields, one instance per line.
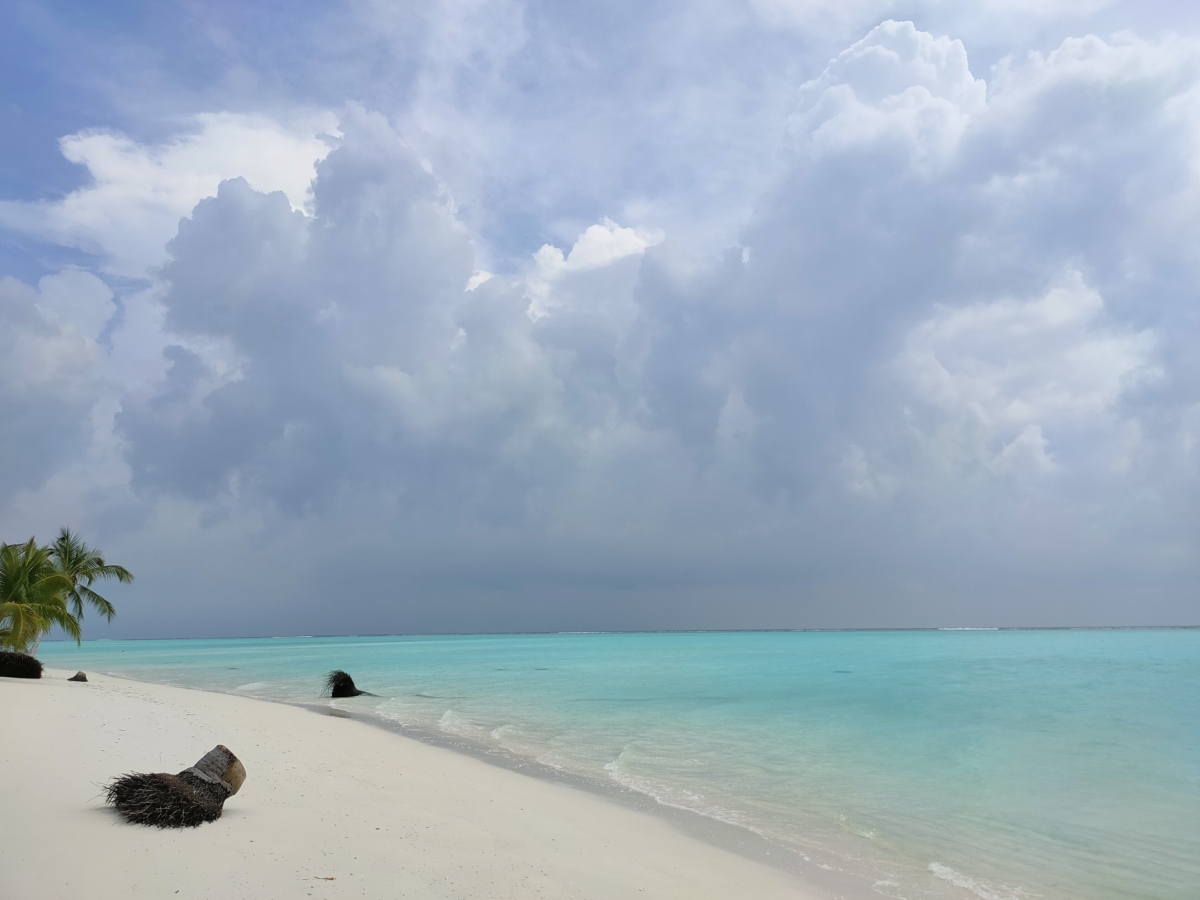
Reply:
x=332 y=807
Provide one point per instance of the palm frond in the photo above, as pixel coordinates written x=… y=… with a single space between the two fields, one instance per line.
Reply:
x=102 y=571
x=33 y=595
x=84 y=566
x=43 y=587
x=84 y=593
x=16 y=621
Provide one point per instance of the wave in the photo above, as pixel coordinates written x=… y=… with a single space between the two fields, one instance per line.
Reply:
x=677 y=797
x=253 y=686
x=978 y=888
x=452 y=723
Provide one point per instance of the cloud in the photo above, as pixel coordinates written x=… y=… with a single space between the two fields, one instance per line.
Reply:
x=137 y=194
x=998 y=376
x=897 y=84
x=78 y=300
x=596 y=248
x=355 y=349
x=951 y=347
x=49 y=371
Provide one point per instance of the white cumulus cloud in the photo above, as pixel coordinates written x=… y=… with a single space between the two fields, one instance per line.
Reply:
x=1005 y=375
x=136 y=194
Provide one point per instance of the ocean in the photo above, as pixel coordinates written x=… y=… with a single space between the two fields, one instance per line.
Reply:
x=1001 y=765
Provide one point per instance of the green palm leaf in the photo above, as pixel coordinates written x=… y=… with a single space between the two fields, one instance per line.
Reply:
x=33 y=596
x=41 y=587
x=85 y=566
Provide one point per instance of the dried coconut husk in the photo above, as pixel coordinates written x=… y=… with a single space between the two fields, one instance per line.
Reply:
x=162 y=800
x=194 y=796
x=220 y=766
x=19 y=665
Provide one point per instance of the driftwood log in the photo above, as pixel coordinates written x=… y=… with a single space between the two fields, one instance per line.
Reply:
x=78 y=676
x=19 y=665
x=190 y=798
x=340 y=684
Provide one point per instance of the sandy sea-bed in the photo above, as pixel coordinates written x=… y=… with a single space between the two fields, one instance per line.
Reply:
x=332 y=807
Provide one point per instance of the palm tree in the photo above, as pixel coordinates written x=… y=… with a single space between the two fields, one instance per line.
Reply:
x=83 y=565
x=33 y=596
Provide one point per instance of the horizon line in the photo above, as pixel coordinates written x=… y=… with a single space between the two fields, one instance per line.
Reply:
x=942 y=628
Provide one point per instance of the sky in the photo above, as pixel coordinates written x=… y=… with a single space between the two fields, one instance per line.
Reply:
x=363 y=317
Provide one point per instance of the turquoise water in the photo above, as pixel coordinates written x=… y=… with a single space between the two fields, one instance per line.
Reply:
x=990 y=764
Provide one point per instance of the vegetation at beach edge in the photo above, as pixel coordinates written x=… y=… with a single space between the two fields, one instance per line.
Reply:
x=45 y=586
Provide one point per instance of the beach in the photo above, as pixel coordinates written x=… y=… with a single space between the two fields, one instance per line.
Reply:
x=938 y=765
x=332 y=807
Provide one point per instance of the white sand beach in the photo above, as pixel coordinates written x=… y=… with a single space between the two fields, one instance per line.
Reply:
x=331 y=808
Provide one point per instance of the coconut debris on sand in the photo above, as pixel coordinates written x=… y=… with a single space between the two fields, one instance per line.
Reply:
x=334 y=808
x=184 y=800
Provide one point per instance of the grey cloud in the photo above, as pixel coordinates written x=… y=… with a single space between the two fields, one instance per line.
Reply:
x=945 y=377
x=49 y=373
x=358 y=356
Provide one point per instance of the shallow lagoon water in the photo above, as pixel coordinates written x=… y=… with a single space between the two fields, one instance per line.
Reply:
x=990 y=764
